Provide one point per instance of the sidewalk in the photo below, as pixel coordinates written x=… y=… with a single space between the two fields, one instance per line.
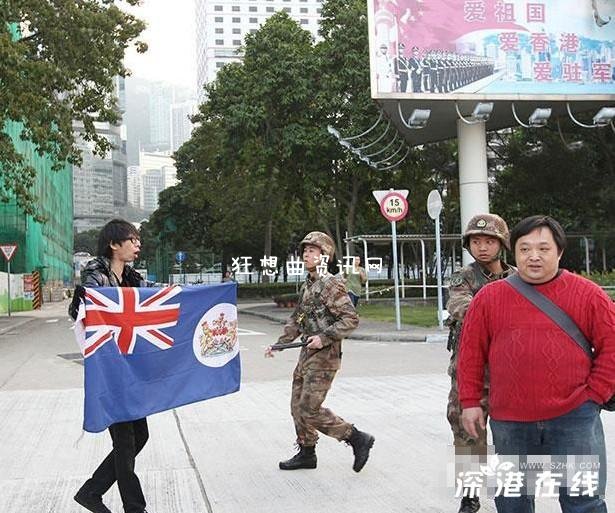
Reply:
x=221 y=455
x=368 y=330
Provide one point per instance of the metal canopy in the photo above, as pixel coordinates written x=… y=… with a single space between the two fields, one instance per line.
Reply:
x=386 y=238
x=442 y=124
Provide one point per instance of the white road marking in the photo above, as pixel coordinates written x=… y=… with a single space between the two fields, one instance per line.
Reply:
x=244 y=332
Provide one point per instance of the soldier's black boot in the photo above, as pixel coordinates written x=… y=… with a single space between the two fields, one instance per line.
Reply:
x=469 y=505
x=305 y=458
x=361 y=443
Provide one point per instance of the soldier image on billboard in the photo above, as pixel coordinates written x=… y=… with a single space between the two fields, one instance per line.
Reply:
x=432 y=64
x=324 y=315
x=384 y=68
x=443 y=72
x=486 y=238
x=400 y=66
x=416 y=68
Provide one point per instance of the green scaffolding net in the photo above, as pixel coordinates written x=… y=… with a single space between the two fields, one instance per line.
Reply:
x=46 y=247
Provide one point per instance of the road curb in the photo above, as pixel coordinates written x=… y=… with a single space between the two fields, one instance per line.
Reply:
x=357 y=335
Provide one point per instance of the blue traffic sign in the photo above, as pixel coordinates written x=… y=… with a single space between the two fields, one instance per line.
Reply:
x=180 y=256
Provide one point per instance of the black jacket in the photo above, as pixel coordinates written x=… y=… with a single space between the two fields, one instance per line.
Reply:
x=97 y=273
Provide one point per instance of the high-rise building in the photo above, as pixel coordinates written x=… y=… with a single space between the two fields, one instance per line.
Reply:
x=158 y=173
x=134 y=186
x=137 y=118
x=99 y=183
x=169 y=176
x=222 y=24
x=153 y=185
x=160 y=100
x=157 y=117
x=181 y=126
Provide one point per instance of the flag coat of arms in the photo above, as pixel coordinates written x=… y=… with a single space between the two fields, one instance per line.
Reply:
x=148 y=350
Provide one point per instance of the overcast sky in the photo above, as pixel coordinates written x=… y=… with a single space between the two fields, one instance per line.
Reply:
x=171 y=39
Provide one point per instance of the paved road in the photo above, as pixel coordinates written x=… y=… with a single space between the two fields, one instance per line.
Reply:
x=221 y=455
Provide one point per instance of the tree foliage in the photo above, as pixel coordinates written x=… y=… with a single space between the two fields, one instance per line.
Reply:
x=58 y=61
x=541 y=175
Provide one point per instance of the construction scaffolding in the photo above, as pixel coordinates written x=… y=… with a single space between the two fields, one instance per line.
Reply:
x=45 y=247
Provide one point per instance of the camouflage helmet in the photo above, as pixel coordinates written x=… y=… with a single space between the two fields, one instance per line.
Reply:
x=320 y=240
x=491 y=225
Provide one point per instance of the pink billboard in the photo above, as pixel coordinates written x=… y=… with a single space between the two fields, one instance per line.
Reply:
x=505 y=48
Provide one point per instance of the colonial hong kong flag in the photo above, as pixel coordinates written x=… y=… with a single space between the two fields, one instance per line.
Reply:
x=148 y=350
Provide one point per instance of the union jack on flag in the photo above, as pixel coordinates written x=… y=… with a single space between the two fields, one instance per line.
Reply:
x=149 y=350
x=128 y=318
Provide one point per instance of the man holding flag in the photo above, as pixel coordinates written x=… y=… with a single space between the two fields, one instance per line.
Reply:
x=145 y=351
x=118 y=244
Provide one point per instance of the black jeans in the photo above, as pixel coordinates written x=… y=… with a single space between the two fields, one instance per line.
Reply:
x=119 y=465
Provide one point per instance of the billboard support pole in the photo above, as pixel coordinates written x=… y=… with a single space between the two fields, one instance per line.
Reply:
x=473 y=180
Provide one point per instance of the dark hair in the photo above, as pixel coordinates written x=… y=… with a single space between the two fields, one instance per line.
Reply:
x=529 y=224
x=115 y=231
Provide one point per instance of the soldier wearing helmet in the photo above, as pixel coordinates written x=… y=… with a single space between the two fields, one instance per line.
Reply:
x=486 y=238
x=324 y=315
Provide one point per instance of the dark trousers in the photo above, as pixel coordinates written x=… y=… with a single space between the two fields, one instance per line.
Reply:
x=403 y=82
x=577 y=433
x=119 y=465
x=416 y=82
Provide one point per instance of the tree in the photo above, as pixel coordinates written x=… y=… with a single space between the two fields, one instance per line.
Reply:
x=87 y=241
x=261 y=113
x=542 y=175
x=345 y=103
x=58 y=62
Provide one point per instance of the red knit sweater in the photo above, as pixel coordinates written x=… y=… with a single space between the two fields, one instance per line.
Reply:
x=536 y=371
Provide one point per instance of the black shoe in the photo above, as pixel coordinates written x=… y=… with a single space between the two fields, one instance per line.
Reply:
x=469 y=505
x=305 y=458
x=361 y=443
x=91 y=502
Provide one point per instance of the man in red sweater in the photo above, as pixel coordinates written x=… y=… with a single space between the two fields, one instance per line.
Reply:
x=545 y=393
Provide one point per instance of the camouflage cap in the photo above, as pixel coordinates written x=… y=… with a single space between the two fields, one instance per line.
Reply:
x=487 y=224
x=321 y=240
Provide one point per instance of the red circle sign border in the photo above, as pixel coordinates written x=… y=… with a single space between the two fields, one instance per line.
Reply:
x=404 y=201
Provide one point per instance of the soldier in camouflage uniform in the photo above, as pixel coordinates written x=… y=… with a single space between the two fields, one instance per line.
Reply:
x=486 y=237
x=324 y=315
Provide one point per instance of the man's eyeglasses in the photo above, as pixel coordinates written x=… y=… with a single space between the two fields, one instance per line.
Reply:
x=135 y=240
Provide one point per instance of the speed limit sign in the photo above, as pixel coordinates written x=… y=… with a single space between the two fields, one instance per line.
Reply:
x=394 y=206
